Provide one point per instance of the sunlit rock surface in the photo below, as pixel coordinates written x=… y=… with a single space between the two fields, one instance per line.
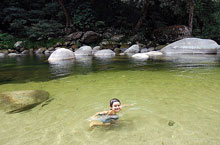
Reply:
x=140 y=56
x=13 y=54
x=154 y=53
x=105 y=53
x=192 y=45
x=17 y=101
x=133 y=49
x=84 y=50
x=61 y=54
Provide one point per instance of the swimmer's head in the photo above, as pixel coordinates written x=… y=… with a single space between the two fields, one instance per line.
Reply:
x=115 y=105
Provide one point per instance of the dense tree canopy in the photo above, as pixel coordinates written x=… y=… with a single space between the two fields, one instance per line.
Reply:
x=50 y=18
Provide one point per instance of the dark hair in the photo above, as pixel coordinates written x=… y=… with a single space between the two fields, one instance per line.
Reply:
x=113 y=101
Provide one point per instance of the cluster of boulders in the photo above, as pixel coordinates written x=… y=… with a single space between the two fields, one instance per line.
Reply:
x=133 y=51
x=109 y=43
x=183 y=46
x=110 y=39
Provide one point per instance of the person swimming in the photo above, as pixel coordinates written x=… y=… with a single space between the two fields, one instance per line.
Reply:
x=107 y=117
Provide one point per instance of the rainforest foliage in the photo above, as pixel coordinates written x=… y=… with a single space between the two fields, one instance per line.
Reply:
x=53 y=18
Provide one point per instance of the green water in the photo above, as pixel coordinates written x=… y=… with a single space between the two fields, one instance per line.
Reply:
x=183 y=90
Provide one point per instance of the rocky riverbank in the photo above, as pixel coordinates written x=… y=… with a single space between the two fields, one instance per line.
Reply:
x=118 y=43
x=111 y=43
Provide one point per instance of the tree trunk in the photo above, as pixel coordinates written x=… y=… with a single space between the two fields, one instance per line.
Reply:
x=92 y=2
x=143 y=17
x=191 y=12
x=65 y=13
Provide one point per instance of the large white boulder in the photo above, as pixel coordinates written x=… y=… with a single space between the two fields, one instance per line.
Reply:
x=84 y=50
x=61 y=54
x=104 y=53
x=133 y=49
x=140 y=56
x=192 y=45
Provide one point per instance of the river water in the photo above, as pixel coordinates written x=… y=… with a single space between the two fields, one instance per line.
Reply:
x=177 y=100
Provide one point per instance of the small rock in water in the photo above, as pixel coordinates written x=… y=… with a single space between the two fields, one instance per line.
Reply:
x=171 y=123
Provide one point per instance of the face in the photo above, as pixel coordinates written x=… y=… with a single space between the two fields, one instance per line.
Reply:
x=116 y=106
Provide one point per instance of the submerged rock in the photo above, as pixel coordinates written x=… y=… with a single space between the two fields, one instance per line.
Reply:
x=191 y=46
x=171 y=123
x=61 y=54
x=17 y=101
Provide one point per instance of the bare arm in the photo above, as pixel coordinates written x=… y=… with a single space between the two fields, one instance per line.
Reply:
x=100 y=113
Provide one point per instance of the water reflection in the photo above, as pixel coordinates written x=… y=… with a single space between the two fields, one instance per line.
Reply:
x=84 y=61
x=104 y=59
x=61 y=68
x=2 y=55
x=193 y=58
x=138 y=62
x=37 y=68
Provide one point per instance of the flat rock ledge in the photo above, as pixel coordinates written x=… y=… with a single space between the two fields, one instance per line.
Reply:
x=192 y=46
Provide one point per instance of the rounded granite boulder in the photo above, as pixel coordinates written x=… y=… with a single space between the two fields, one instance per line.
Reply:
x=61 y=54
